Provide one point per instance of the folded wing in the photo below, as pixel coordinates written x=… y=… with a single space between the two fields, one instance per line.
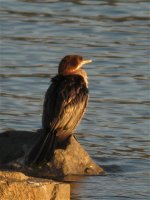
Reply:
x=64 y=105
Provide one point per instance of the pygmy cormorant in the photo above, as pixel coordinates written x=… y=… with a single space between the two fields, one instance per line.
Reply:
x=64 y=105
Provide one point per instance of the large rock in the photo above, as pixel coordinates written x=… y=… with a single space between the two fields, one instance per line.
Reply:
x=15 y=144
x=73 y=160
x=17 y=186
x=68 y=160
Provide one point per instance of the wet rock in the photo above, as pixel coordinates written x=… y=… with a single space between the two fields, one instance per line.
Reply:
x=17 y=186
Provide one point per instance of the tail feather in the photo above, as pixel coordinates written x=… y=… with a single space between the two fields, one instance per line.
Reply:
x=43 y=150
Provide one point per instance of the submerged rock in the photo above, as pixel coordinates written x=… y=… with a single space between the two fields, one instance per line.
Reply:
x=17 y=186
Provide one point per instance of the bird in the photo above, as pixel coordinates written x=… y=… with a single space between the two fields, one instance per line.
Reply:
x=64 y=105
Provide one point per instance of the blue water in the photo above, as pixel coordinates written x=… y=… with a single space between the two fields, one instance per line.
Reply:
x=115 y=130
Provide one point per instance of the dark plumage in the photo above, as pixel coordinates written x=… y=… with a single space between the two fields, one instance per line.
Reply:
x=64 y=105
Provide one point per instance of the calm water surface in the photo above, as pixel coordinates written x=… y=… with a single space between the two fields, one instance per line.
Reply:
x=115 y=130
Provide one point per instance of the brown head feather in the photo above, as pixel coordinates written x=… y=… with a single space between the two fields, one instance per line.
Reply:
x=69 y=64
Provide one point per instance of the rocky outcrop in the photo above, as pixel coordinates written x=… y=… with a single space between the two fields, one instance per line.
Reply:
x=17 y=186
x=71 y=159
x=15 y=144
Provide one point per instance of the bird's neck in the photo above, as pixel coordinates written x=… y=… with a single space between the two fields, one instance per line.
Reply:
x=80 y=72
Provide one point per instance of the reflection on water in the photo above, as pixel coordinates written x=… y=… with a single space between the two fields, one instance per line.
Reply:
x=114 y=34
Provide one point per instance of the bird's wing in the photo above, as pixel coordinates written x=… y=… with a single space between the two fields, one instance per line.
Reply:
x=70 y=99
x=64 y=105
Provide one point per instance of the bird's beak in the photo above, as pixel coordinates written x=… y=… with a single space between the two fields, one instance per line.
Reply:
x=86 y=61
x=83 y=63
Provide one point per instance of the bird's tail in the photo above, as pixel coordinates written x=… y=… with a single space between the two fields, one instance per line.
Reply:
x=43 y=150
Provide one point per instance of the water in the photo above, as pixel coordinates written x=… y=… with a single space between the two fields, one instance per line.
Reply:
x=115 y=129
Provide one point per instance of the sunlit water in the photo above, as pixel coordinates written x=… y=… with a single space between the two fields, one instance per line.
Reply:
x=115 y=129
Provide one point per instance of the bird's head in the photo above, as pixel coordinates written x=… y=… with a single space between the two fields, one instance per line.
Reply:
x=71 y=64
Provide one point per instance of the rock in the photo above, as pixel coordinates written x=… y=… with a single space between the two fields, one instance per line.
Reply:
x=17 y=186
x=15 y=144
x=71 y=159
x=12 y=175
